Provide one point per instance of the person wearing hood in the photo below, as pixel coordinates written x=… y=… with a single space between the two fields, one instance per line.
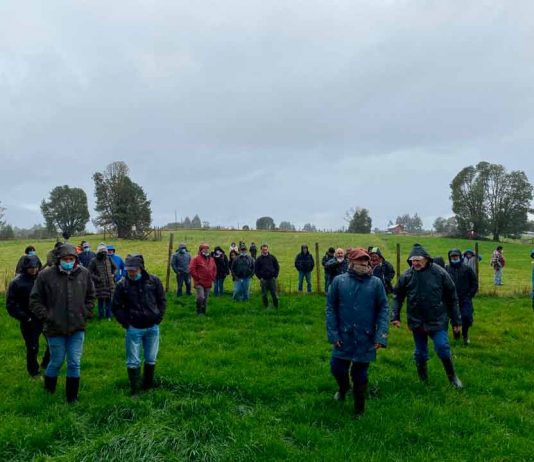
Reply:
x=336 y=266
x=203 y=271
x=431 y=302
x=119 y=263
x=266 y=268
x=330 y=253
x=223 y=270
x=253 y=250
x=17 y=304
x=470 y=259
x=242 y=269
x=180 y=265
x=29 y=251
x=139 y=305
x=102 y=270
x=51 y=256
x=357 y=318
x=466 y=284
x=304 y=264
x=86 y=255
x=382 y=269
x=62 y=298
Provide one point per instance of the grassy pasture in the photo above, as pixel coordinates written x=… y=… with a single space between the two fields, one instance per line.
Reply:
x=517 y=274
x=245 y=383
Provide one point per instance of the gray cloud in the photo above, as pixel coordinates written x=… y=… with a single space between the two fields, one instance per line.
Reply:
x=233 y=110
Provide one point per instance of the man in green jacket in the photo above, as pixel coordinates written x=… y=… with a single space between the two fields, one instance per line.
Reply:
x=62 y=299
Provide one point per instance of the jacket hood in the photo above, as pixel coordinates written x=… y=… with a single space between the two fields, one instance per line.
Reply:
x=302 y=247
x=66 y=250
x=376 y=250
x=471 y=251
x=201 y=247
x=30 y=262
x=454 y=251
x=418 y=251
x=439 y=261
x=218 y=248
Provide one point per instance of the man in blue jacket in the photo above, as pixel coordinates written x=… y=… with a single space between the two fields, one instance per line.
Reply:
x=357 y=317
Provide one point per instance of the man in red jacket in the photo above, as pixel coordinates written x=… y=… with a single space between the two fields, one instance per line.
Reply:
x=203 y=270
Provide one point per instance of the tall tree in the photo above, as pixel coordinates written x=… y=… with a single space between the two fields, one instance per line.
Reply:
x=360 y=222
x=196 y=223
x=265 y=223
x=411 y=224
x=187 y=223
x=66 y=210
x=286 y=226
x=309 y=228
x=486 y=198
x=2 y=211
x=121 y=203
x=448 y=226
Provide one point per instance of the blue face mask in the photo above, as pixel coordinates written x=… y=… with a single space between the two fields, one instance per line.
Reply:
x=455 y=260
x=67 y=266
x=31 y=253
x=136 y=277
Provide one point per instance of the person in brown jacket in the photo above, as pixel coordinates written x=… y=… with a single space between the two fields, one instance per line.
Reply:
x=62 y=298
x=203 y=270
x=102 y=270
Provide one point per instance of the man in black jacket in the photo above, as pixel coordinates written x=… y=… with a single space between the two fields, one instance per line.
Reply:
x=382 y=269
x=17 y=303
x=432 y=300
x=242 y=268
x=466 y=283
x=139 y=305
x=267 y=270
x=304 y=263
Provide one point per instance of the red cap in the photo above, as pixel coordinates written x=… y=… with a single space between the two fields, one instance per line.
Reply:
x=358 y=252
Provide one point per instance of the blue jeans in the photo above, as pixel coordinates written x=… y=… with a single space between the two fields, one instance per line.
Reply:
x=182 y=278
x=149 y=338
x=70 y=346
x=241 y=287
x=307 y=275
x=498 y=277
x=441 y=344
x=218 y=288
x=104 y=308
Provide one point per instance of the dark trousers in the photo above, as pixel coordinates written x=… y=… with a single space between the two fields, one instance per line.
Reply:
x=340 y=370
x=104 y=308
x=269 y=285
x=31 y=331
x=182 y=278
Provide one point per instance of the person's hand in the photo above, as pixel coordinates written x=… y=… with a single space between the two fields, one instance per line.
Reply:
x=397 y=324
x=378 y=346
x=338 y=344
x=457 y=329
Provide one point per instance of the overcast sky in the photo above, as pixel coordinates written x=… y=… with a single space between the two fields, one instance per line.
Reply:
x=237 y=109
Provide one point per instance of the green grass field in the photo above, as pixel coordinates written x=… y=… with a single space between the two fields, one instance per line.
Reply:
x=246 y=384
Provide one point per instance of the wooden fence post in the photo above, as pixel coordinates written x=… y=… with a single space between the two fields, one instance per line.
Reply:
x=318 y=267
x=171 y=238
x=398 y=262
x=476 y=260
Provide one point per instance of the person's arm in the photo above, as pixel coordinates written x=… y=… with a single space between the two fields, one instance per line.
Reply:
x=193 y=268
x=160 y=298
x=256 y=268
x=332 y=321
x=312 y=262
x=382 y=318
x=399 y=295
x=38 y=299
x=12 y=304
x=118 y=307
x=90 y=297
x=174 y=264
x=93 y=272
x=473 y=282
x=450 y=298
x=276 y=267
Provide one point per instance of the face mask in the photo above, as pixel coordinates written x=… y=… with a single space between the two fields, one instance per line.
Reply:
x=182 y=250
x=455 y=260
x=360 y=268
x=243 y=253
x=67 y=266
x=31 y=253
x=136 y=277
x=206 y=253
x=218 y=253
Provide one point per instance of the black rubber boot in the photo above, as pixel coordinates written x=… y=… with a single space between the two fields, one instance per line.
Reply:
x=465 y=335
x=451 y=374
x=359 y=398
x=50 y=384
x=456 y=335
x=134 y=376
x=265 y=301
x=72 y=386
x=199 y=308
x=148 y=377
x=422 y=371
x=344 y=386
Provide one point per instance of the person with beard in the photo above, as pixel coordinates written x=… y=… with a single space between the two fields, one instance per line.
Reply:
x=223 y=269
x=382 y=269
x=203 y=271
x=466 y=283
x=431 y=302
x=62 y=298
x=266 y=268
x=17 y=304
x=28 y=252
x=336 y=266
x=357 y=321
x=180 y=265
x=139 y=305
x=102 y=270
